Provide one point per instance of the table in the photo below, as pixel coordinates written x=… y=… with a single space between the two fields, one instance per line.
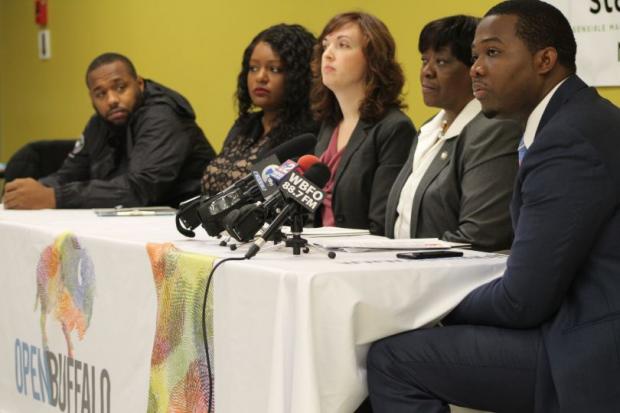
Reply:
x=290 y=333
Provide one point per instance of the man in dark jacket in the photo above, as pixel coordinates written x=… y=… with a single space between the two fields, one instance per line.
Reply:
x=142 y=147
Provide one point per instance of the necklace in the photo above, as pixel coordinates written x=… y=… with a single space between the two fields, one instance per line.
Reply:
x=443 y=130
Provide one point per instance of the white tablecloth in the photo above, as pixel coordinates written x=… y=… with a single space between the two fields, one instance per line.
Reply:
x=290 y=332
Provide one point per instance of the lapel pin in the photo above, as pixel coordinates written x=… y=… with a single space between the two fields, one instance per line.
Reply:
x=444 y=155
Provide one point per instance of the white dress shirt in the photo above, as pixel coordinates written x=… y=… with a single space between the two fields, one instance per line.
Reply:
x=430 y=141
x=534 y=119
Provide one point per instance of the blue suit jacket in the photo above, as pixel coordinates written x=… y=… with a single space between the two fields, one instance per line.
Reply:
x=563 y=274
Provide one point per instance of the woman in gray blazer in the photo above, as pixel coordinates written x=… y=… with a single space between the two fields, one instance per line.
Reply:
x=364 y=138
x=458 y=180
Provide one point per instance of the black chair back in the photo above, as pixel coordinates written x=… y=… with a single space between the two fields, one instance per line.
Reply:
x=38 y=159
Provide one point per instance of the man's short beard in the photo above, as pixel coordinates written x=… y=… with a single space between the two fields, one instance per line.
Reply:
x=139 y=101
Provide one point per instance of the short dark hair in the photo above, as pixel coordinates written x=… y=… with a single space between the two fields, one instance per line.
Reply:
x=110 y=57
x=293 y=44
x=541 y=25
x=455 y=32
x=384 y=77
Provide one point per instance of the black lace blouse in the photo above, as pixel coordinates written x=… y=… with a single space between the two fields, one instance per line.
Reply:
x=242 y=147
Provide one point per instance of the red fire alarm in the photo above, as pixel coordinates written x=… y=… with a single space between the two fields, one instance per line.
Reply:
x=40 y=12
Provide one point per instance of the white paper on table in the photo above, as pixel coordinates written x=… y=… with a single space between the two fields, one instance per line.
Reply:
x=328 y=232
x=374 y=242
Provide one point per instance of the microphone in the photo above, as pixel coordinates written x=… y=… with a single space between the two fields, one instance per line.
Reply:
x=293 y=148
x=186 y=218
x=288 y=150
x=303 y=191
x=306 y=161
x=208 y=211
x=282 y=156
x=243 y=223
x=303 y=164
x=300 y=192
x=254 y=187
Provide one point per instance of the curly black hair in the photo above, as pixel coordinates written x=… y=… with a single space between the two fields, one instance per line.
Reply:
x=294 y=45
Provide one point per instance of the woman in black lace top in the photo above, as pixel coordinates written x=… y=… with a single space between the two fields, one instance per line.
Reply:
x=273 y=100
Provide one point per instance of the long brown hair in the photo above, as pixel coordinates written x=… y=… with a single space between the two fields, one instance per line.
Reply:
x=384 y=76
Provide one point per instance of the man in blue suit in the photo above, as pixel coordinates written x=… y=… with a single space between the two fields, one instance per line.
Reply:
x=546 y=336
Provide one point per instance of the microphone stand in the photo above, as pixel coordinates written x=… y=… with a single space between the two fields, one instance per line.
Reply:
x=274 y=234
x=296 y=241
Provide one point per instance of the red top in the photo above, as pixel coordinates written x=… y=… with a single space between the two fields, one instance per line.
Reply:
x=331 y=158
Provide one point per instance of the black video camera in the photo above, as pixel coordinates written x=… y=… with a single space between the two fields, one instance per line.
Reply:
x=251 y=189
x=210 y=211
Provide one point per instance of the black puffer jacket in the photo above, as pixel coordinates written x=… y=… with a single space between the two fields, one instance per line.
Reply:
x=156 y=159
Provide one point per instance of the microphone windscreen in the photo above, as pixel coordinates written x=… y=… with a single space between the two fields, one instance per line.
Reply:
x=293 y=148
x=318 y=174
x=306 y=161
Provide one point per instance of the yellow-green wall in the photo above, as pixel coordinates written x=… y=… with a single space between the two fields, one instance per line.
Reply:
x=193 y=46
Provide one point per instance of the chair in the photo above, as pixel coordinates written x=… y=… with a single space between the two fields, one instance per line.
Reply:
x=2 y=177
x=38 y=159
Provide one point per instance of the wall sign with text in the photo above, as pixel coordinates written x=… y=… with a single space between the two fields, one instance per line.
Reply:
x=596 y=24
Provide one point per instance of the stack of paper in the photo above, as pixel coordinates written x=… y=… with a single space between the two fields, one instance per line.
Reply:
x=373 y=242
x=328 y=232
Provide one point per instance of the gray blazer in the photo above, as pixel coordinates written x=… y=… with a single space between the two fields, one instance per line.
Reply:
x=465 y=194
x=368 y=167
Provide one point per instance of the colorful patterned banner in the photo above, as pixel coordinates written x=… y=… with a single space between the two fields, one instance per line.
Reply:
x=179 y=379
x=66 y=288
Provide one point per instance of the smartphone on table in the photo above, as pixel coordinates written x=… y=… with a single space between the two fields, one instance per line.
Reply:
x=420 y=255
